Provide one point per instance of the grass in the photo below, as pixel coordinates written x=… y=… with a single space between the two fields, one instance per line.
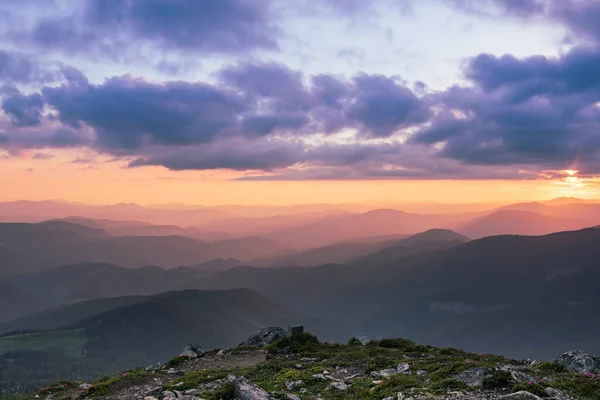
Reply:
x=103 y=385
x=70 y=343
x=284 y=365
x=440 y=365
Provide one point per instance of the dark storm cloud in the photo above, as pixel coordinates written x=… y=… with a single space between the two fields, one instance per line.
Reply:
x=111 y=26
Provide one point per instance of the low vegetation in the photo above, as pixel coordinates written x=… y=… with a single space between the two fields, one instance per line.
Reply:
x=306 y=368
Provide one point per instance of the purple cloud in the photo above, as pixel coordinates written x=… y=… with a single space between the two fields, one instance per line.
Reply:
x=107 y=27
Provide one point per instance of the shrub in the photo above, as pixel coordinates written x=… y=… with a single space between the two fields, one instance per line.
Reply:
x=496 y=380
x=176 y=361
x=446 y=385
x=404 y=344
x=225 y=392
x=550 y=367
x=531 y=387
x=380 y=362
x=354 y=342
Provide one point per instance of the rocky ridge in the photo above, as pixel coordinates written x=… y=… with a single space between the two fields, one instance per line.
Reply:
x=273 y=365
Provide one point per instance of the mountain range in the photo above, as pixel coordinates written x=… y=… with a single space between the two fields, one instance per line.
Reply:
x=103 y=294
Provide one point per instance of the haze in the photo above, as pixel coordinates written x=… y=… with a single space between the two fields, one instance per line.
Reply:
x=191 y=171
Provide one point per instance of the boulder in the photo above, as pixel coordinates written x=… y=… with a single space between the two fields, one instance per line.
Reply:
x=245 y=390
x=522 y=395
x=522 y=377
x=192 y=351
x=472 y=377
x=266 y=336
x=404 y=368
x=557 y=394
x=580 y=362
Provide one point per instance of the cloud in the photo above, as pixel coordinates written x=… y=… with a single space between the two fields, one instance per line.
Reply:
x=521 y=8
x=579 y=16
x=110 y=27
x=127 y=112
x=515 y=118
x=19 y=68
x=250 y=100
x=25 y=110
x=42 y=156
x=531 y=111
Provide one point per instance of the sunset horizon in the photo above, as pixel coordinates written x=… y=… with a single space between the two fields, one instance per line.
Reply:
x=299 y=199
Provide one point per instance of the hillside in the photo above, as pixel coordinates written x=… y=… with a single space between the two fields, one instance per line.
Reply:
x=519 y=222
x=277 y=366
x=14 y=303
x=344 y=227
x=109 y=335
x=51 y=244
x=136 y=228
x=88 y=281
x=401 y=296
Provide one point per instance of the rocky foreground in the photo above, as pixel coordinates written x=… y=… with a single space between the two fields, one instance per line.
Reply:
x=273 y=365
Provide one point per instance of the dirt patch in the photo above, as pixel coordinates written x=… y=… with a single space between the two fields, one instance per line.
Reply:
x=151 y=385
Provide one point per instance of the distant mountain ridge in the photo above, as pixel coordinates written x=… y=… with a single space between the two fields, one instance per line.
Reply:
x=51 y=244
x=521 y=222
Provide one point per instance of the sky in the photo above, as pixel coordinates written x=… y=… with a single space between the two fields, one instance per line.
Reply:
x=281 y=101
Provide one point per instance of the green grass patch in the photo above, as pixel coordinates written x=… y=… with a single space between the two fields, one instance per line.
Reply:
x=548 y=367
x=193 y=379
x=579 y=386
x=103 y=385
x=70 y=343
x=531 y=387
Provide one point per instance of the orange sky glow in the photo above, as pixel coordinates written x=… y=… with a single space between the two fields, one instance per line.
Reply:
x=99 y=181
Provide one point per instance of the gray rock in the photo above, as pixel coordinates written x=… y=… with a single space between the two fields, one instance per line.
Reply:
x=404 y=368
x=289 y=385
x=192 y=351
x=192 y=392
x=154 y=390
x=385 y=373
x=189 y=397
x=224 y=352
x=85 y=386
x=400 y=396
x=522 y=377
x=522 y=395
x=557 y=394
x=245 y=390
x=153 y=367
x=472 y=377
x=293 y=397
x=580 y=362
x=338 y=385
x=421 y=373
x=265 y=337
x=167 y=394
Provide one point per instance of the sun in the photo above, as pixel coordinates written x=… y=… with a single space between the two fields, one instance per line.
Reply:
x=571 y=172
